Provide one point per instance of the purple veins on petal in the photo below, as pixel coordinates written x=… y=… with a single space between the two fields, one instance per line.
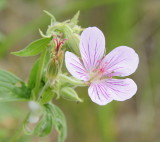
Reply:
x=122 y=60
x=75 y=67
x=112 y=89
x=99 y=72
x=98 y=94
x=121 y=89
x=92 y=46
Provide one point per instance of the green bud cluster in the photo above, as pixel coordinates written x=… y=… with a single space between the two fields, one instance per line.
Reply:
x=46 y=80
x=68 y=28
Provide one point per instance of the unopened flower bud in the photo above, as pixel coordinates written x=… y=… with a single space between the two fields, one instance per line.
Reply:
x=69 y=94
x=54 y=67
x=72 y=43
x=60 y=59
x=52 y=70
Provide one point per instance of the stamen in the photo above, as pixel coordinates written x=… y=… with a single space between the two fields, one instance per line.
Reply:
x=59 y=41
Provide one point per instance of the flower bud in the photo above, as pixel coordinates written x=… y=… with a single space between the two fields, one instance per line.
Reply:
x=54 y=67
x=60 y=57
x=72 y=43
x=69 y=94
x=52 y=70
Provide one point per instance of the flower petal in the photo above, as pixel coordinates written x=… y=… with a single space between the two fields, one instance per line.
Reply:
x=92 y=46
x=121 y=89
x=122 y=61
x=112 y=89
x=75 y=66
x=99 y=94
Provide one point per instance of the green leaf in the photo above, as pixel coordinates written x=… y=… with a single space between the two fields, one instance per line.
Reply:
x=34 y=48
x=35 y=77
x=40 y=71
x=12 y=88
x=52 y=117
x=47 y=96
x=45 y=126
x=42 y=126
x=32 y=76
x=59 y=121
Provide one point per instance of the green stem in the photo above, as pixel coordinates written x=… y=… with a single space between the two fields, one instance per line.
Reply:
x=72 y=81
x=43 y=90
x=39 y=73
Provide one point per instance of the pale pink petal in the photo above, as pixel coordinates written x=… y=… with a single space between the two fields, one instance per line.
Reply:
x=75 y=67
x=112 y=89
x=98 y=93
x=121 y=61
x=121 y=89
x=92 y=46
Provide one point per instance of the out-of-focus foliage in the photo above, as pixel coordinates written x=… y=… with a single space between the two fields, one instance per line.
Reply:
x=12 y=88
x=2 y=49
x=124 y=22
x=2 y=4
x=52 y=118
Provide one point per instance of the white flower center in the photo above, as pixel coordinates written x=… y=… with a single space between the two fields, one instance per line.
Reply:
x=97 y=75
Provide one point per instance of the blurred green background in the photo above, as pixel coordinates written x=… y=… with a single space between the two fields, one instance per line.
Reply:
x=134 y=23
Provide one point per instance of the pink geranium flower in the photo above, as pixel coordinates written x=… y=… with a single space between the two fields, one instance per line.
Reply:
x=99 y=71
